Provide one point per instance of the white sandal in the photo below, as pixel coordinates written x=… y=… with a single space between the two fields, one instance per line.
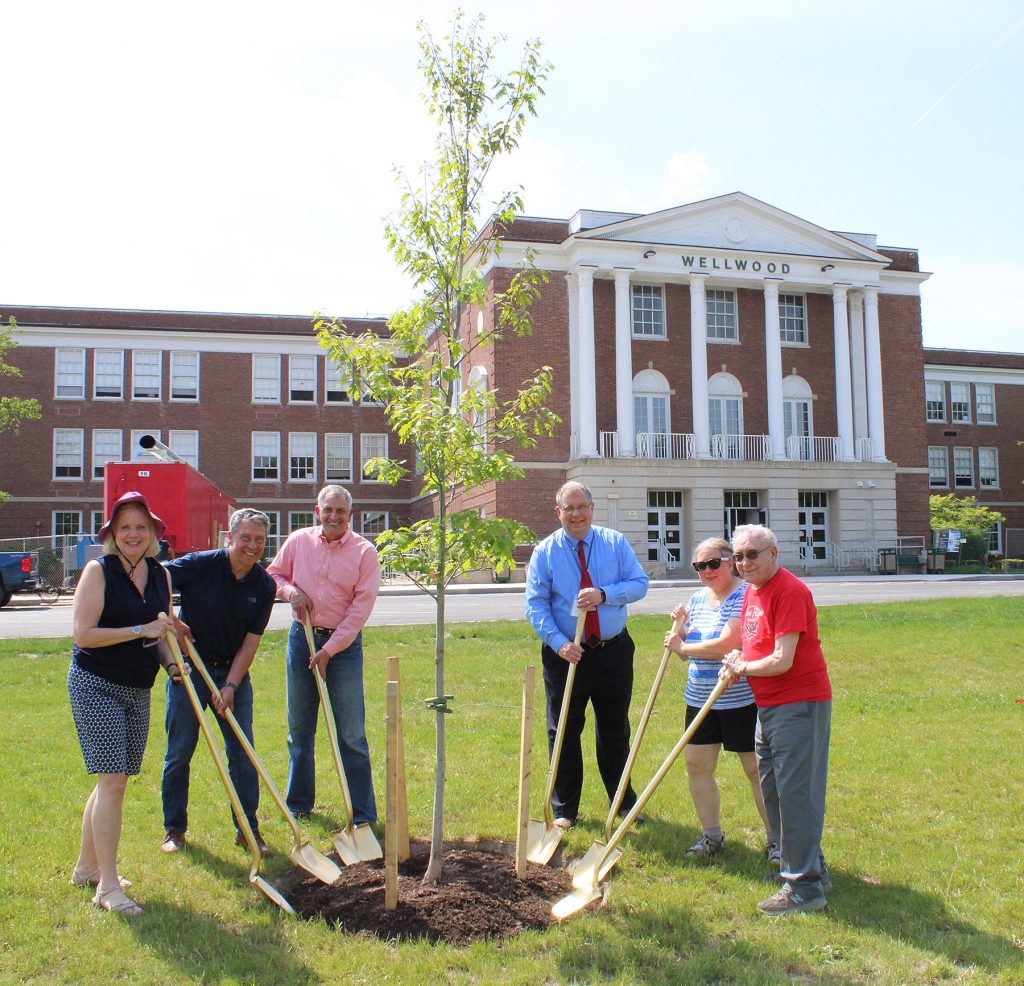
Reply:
x=109 y=901
x=80 y=879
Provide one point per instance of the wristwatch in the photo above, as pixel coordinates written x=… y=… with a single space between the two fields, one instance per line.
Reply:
x=604 y=595
x=137 y=631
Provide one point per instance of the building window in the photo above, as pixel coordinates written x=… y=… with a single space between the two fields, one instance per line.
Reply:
x=721 y=315
x=371 y=446
x=648 y=311
x=985 y=403
x=963 y=468
x=742 y=507
x=935 y=400
x=302 y=457
x=68 y=453
x=988 y=468
x=66 y=524
x=138 y=453
x=366 y=395
x=337 y=384
x=338 y=452
x=266 y=454
x=373 y=522
x=106 y=447
x=184 y=376
x=792 y=319
x=938 y=467
x=108 y=374
x=185 y=445
x=146 y=371
x=960 y=402
x=273 y=533
x=302 y=379
x=98 y=520
x=69 y=374
x=266 y=378
x=298 y=519
x=995 y=540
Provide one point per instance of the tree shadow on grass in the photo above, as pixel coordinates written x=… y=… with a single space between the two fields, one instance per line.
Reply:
x=206 y=948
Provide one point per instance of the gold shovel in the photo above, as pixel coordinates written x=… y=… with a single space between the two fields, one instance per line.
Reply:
x=601 y=857
x=638 y=737
x=302 y=854
x=542 y=838
x=355 y=843
x=236 y=805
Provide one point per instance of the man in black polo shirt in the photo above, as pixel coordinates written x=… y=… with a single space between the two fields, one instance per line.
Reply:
x=226 y=598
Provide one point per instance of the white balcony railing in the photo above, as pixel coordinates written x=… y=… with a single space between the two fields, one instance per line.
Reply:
x=862 y=450
x=608 y=445
x=812 y=448
x=749 y=448
x=664 y=445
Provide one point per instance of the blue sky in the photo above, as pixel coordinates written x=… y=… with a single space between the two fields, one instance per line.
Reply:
x=237 y=157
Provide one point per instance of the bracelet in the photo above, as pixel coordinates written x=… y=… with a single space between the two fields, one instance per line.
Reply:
x=229 y=684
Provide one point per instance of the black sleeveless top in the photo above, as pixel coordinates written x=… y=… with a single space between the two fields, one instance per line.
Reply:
x=127 y=663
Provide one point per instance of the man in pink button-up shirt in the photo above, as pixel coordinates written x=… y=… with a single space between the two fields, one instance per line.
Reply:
x=333 y=574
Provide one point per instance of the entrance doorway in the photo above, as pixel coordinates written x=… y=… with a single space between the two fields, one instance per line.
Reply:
x=812 y=523
x=665 y=527
x=742 y=507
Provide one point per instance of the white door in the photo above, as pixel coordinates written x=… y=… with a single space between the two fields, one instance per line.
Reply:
x=812 y=523
x=665 y=527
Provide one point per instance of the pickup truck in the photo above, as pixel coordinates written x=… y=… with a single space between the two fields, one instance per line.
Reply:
x=19 y=572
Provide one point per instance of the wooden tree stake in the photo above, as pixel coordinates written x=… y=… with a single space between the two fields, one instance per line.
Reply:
x=525 y=769
x=403 y=797
x=391 y=826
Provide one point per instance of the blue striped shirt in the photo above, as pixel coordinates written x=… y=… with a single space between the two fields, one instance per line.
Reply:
x=705 y=622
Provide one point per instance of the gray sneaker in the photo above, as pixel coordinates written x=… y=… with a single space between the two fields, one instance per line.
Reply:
x=788 y=901
x=705 y=847
x=779 y=881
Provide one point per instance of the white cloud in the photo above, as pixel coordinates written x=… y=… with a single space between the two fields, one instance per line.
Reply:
x=687 y=179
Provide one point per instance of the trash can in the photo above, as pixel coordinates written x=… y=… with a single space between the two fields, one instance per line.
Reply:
x=936 y=561
x=887 y=561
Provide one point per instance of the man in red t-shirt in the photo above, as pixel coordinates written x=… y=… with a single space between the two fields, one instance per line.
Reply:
x=785 y=667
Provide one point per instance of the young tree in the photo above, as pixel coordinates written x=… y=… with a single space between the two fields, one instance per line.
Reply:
x=965 y=514
x=463 y=434
x=13 y=410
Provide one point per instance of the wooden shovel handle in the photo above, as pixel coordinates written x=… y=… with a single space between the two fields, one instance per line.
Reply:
x=563 y=715
x=641 y=728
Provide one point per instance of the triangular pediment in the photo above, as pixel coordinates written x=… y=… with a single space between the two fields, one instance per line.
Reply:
x=731 y=222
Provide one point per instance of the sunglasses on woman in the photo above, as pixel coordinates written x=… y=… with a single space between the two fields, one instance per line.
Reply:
x=713 y=564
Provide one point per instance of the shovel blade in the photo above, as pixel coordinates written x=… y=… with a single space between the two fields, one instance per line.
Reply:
x=272 y=893
x=366 y=843
x=594 y=866
x=541 y=842
x=348 y=851
x=576 y=901
x=315 y=863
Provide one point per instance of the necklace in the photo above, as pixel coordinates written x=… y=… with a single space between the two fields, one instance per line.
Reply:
x=131 y=567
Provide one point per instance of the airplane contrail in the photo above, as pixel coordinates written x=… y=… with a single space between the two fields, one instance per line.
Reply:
x=969 y=72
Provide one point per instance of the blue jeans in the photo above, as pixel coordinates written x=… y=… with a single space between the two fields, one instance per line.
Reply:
x=345 y=688
x=182 y=736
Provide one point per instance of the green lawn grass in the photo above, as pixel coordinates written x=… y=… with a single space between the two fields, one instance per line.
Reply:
x=924 y=830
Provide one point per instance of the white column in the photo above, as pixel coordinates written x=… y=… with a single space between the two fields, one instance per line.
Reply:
x=844 y=394
x=588 y=377
x=859 y=380
x=699 y=366
x=624 y=365
x=574 y=354
x=773 y=369
x=873 y=365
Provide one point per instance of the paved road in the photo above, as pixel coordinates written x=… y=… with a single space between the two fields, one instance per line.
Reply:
x=25 y=616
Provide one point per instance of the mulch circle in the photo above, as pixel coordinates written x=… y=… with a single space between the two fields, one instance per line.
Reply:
x=478 y=896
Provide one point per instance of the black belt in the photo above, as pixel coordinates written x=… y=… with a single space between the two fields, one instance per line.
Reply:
x=601 y=643
x=323 y=631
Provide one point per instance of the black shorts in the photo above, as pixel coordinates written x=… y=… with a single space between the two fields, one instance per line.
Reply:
x=733 y=728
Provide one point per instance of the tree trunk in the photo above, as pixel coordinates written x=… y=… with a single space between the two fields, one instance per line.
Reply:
x=435 y=864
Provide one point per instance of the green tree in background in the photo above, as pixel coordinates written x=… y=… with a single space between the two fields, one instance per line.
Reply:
x=464 y=433
x=13 y=410
x=965 y=514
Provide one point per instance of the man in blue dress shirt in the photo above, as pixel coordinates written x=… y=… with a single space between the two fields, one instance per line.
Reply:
x=582 y=567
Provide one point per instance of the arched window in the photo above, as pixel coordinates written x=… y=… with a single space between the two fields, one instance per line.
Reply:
x=651 y=414
x=725 y=416
x=797 y=400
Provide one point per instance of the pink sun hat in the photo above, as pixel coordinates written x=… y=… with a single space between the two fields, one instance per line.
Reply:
x=123 y=501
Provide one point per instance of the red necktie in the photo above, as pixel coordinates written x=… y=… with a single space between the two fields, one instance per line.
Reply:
x=592 y=625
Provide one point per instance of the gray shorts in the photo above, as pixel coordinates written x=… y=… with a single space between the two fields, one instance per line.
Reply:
x=112 y=722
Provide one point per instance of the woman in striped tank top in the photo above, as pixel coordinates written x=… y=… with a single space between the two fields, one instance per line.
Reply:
x=710 y=631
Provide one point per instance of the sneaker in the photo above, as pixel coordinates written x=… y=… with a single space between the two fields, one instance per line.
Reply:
x=788 y=901
x=564 y=823
x=260 y=844
x=705 y=847
x=777 y=879
x=174 y=841
x=774 y=853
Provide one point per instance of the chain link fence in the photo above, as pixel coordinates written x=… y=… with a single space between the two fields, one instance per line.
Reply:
x=61 y=557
